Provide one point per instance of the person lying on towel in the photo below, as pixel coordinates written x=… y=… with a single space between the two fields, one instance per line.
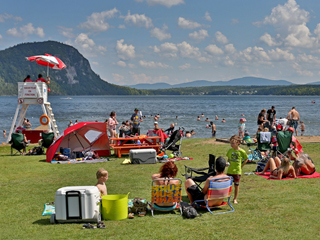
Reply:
x=279 y=169
x=303 y=164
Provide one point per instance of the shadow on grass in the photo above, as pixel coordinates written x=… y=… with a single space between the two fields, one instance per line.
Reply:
x=42 y=222
x=43 y=160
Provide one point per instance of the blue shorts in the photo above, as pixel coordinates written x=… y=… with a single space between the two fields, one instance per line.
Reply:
x=214 y=133
x=294 y=123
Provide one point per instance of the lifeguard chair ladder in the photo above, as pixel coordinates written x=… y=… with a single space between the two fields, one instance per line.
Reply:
x=33 y=93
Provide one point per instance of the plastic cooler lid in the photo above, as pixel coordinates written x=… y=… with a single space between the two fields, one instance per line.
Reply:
x=82 y=189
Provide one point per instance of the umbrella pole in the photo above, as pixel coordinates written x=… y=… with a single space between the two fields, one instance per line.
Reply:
x=47 y=69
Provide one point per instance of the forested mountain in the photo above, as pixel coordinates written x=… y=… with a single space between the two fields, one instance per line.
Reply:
x=76 y=79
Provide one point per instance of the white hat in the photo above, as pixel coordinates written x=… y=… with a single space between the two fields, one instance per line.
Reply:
x=155 y=122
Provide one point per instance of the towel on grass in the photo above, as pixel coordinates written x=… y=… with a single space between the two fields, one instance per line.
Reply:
x=82 y=161
x=267 y=176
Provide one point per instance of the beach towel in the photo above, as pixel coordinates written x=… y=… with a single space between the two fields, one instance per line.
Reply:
x=82 y=161
x=265 y=137
x=49 y=208
x=267 y=176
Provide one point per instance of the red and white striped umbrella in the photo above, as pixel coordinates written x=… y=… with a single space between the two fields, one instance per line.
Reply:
x=48 y=60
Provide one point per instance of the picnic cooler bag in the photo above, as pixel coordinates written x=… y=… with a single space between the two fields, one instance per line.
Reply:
x=143 y=156
x=77 y=204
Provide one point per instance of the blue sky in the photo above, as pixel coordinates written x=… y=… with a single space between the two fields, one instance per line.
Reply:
x=176 y=41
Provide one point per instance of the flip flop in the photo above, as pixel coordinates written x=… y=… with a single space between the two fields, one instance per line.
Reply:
x=88 y=226
x=131 y=215
x=101 y=225
x=142 y=214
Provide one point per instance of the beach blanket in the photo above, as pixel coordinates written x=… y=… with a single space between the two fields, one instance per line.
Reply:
x=49 y=208
x=267 y=176
x=82 y=161
x=164 y=160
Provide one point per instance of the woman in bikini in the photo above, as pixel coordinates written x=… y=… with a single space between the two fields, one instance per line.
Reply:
x=279 y=169
x=167 y=172
x=303 y=164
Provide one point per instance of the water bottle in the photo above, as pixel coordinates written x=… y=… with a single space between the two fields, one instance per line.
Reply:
x=138 y=142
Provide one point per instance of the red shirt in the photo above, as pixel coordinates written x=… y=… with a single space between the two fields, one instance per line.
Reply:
x=28 y=80
x=41 y=80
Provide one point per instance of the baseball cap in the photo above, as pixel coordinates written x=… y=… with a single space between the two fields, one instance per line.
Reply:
x=136 y=109
x=155 y=122
x=290 y=129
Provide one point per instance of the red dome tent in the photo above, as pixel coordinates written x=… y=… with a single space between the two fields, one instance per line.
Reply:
x=82 y=136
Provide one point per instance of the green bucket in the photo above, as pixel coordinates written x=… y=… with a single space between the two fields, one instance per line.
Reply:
x=115 y=207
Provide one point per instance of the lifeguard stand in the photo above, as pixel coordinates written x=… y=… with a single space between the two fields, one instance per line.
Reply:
x=33 y=93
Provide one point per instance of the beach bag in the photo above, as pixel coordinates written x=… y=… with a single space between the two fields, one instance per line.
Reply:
x=188 y=211
x=260 y=166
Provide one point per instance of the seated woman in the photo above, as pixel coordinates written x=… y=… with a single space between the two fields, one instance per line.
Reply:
x=160 y=133
x=279 y=169
x=168 y=171
x=303 y=164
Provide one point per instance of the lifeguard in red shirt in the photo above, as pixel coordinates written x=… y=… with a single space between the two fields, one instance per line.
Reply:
x=40 y=79
x=27 y=79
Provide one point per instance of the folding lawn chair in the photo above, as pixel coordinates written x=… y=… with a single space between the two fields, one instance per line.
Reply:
x=263 y=146
x=219 y=188
x=47 y=139
x=17 y=143
x=202 y=173
x=284 y=139
x=166 y=194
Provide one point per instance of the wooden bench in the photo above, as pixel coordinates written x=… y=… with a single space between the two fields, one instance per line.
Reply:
x=125 y=149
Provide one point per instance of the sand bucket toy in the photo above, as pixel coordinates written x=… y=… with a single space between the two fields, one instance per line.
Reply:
x=115 y=207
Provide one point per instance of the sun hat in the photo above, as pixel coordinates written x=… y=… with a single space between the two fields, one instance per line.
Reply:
x=290 y=129
x=136 y=109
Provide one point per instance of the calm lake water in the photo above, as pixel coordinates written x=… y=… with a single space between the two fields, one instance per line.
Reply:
x=187 y=108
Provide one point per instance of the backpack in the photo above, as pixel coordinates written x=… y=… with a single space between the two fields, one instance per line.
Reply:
x=188 y=211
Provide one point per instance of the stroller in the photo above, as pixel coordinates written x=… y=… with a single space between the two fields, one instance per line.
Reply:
x=174 y=143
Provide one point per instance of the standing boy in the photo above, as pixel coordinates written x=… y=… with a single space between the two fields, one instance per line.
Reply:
x=102 y=176
x=235 y=156
x=136 y=118
x=213 y=129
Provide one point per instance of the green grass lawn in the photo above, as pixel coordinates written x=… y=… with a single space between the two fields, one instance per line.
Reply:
x=267 y=209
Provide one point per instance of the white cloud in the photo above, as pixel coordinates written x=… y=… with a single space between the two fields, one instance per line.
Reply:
x=228 y=61
x=88 y=46
x=207 y=16
x=141 y=78
x=167 y=3
x=255 y=54
x=269 y=40
x=280 y=55
x=5 y=16
x=125 y=51
x=203 y=60
x=187 y=24
x=95 y=63
x=122 y=26
x=96 y=22
x=304 y=72
x=221 y=38
x=67 y=32
x=131 y=65
x=304 y=58
x=229 y=48
x=185 y=66
x=234 y=21
x=213 y=49
x=121 y=64
x=299 y=36
x=200 y=35
x=287 y=14
x=188 y=51
x=138 y=20
x=160 y=34
x=152 y=64
x=25 y=31
x=117 y=77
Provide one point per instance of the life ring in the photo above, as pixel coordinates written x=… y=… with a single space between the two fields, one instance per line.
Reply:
x=46 y=117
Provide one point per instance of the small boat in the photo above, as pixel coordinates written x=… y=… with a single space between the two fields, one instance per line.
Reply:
x=313 y=102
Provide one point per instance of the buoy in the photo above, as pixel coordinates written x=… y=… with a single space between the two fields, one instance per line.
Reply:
x=47 y=119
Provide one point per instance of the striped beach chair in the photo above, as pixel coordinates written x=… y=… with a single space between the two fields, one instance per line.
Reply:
x=166 y=194
x=219 y=188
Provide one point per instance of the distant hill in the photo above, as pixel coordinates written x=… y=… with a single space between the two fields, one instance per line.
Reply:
x=76 y=79
x=245 y=81
x=314 y=83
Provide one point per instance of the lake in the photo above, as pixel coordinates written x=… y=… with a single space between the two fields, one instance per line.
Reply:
x=187 y=108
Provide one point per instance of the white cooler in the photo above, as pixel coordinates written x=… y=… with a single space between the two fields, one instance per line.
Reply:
x=143 y=156
x=77 y=204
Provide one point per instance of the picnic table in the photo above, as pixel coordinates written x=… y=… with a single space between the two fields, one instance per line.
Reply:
x=123 y=147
